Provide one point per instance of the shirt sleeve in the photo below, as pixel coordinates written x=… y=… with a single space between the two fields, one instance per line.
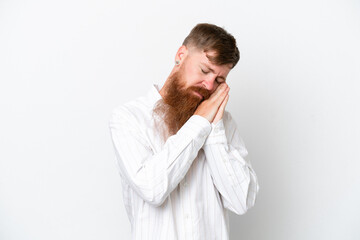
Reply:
x=232 y=175
x=153 y=176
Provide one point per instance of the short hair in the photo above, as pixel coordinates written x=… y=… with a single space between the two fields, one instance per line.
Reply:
x=209 y=37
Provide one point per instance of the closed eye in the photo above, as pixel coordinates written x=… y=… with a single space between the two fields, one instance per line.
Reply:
x=204 y=71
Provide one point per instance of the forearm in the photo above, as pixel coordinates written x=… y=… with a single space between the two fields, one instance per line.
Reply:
x=154 y=176
x=232 y=175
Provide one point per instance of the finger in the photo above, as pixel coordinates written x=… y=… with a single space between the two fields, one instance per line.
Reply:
x=220 y=112
x=223 y=104
x=221 y=96
x=219 y=90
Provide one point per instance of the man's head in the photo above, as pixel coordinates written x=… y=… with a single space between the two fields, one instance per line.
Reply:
x=211 y=38
x=208 y=54
x=204 y=60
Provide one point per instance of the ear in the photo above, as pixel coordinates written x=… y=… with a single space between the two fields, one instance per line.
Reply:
x=181 y=53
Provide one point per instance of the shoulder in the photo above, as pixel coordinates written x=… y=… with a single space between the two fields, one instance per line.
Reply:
x=134 y=113
x=127 y=112
x=228 y=120
x=227 y=115
x=229 y=123
x=233 y=133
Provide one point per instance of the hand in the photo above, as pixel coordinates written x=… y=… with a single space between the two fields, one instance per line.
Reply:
x=221 y=110
x=213 y=107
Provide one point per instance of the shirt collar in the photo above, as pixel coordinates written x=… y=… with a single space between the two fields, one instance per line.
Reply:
x=153 y=94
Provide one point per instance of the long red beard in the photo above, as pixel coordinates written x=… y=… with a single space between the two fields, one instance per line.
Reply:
x=178 y=103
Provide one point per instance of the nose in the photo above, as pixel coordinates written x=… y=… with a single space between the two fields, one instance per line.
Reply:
x=209 y=83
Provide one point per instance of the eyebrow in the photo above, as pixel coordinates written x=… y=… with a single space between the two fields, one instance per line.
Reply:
x=212 y=70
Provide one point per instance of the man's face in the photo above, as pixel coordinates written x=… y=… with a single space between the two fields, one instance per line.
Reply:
x=193 y=82
x=197 y=70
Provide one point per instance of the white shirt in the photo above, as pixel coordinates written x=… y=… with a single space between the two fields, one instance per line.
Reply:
x=180 y=189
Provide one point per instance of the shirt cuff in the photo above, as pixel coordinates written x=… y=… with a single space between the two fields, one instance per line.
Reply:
x=217 y=134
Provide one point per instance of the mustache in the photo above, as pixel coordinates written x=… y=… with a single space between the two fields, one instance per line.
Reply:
x=202 y=91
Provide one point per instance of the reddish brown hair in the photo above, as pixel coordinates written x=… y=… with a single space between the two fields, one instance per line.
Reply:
x=209 y=37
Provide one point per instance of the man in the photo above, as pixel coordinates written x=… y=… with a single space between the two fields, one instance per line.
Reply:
x=180 y=155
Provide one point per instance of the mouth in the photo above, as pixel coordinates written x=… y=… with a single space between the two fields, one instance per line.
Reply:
x=198 y=94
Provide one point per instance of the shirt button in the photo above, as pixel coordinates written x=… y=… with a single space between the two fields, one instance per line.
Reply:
x=187 y=216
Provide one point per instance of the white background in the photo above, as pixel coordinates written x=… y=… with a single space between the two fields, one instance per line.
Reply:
x=64 y=65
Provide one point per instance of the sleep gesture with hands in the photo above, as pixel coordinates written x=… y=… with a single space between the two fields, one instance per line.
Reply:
x=213 y=108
